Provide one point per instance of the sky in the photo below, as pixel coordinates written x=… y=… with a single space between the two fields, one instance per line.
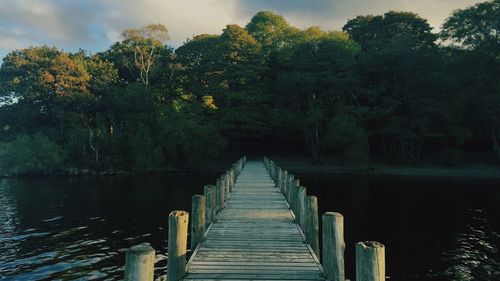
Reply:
x=94 y=25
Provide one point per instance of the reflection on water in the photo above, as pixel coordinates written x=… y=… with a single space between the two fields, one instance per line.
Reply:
x=434 y=229
x=475 y=252
x=67 y=229
x=70 y=229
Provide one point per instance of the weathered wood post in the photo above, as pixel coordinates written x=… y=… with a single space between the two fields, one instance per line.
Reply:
x=139 y=263
x=283 y=185
x=289 y=190
x=295 y=197
x=302 y=207
x=312 y=223
x=198 y=220
x=278 y=179
x=228 y=180
x=224 y=190
x=235 y=172
x=333 y=246
x=370 y=261
x=273 y=171
x=226 y=184
x=210 y=204
x=177 y=245
x=220 y=196
x=233 y=178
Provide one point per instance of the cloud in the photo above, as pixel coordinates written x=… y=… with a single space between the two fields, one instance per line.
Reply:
x=333 y=14
x=95 y=24
x=184 y=18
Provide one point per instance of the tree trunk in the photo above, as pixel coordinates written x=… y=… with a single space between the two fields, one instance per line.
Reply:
x=91 y=144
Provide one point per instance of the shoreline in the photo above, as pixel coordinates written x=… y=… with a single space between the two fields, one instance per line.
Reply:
x=482 y=171
x=300 y=165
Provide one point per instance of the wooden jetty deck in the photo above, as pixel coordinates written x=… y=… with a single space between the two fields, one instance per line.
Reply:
x=256 y=223
x=254 y=236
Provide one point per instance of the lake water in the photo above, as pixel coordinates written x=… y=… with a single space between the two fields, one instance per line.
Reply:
x=77 y=229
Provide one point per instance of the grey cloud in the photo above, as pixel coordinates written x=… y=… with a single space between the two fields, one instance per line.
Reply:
x=48 y=20
x=95 y=24
x=333 y=14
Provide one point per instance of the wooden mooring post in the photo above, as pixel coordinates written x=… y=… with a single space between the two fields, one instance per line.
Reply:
x=177 y=245
x=333 y=246
x=312 y=223
x=370 y=261
x=220 y=194
x=210 y=204
x=198 y=220
x=139 y=263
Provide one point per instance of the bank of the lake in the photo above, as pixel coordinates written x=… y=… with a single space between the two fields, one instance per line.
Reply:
x=305 y=165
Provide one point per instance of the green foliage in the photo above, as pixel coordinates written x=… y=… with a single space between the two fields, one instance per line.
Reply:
x=381 y=84
x=30 y=154
x=393 y=27
x=319 y=79
x=147 y=155
x=476 y=27
x=272 y=31
x=342 y=133
x=191 y=144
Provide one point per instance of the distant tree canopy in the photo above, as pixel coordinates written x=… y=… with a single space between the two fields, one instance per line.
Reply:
x=477 y=27
x=385 y=88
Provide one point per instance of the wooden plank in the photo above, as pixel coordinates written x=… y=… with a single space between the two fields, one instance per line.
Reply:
x=254 y=263
x=275 y=275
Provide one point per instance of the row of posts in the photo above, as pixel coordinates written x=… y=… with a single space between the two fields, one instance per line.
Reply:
x=370 y=255
x=140 y=259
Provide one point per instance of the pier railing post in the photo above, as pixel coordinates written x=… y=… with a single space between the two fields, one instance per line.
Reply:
x=312 y=223
x=294 y=198
x=279 y=176
x=302 y=207
x=233 y=178
x=139 y=263
x=220 y=196
x=177 y=245
x=284 y=180
x=198 y=220
x=228 y=175
x=289 y=190
x=210 y=204
x=225 y=179
x=370 y=261
x=274 y=171
x=333 y=246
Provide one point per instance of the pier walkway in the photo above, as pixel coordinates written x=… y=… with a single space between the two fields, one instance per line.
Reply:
x=254 y=236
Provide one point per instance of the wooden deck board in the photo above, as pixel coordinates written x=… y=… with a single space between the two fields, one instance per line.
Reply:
x=254 y=237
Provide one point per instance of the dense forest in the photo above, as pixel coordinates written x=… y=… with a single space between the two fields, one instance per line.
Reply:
x=385 y=88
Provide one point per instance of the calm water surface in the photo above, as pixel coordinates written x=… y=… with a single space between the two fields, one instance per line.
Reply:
x=78 y=229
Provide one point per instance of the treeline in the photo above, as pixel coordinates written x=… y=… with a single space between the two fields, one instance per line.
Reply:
x=384 y=85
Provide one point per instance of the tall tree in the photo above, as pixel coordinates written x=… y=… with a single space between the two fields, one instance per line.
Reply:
x=476 y=27
x=137 y=56
x=319 y=77
x=272 y=31
x=395 y=68
x=391 y=27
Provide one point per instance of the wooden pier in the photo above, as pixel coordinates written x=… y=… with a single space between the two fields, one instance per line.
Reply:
x=256 y=223
x=254 y=236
